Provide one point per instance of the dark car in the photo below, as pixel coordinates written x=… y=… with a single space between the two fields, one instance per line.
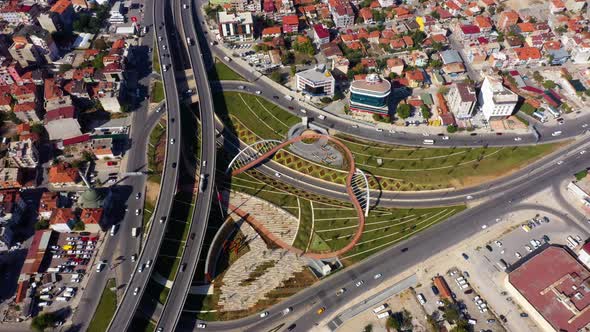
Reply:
x=524 y=315
x=434 y=290
x=465 y=256
x=183 y=267
x=173 y=165
x=473 y=134
x=291 y=108
x=404 y=249
x=172 y=119
x=291 y=327
x=275 y=97
x=192 y=236
x=489 y=248
x=469 y=291
x=503 y=318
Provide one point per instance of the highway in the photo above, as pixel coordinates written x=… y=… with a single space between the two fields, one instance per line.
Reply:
x=192 y=250
x=138 y=280
x=392 y=261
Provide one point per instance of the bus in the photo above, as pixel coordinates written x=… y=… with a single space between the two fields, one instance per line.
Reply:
x=428 y=142
x=380 y=308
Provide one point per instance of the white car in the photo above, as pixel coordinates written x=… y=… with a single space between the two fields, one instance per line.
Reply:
x=140 y=269
x=377 y=276
x=584 y=125
x=137 y=212
x=518 y=255
x=560 y=162
x=172 y=140
x=258 y=92
x=528 y=248
x=518 y=139
x=201 y=325
x=425 y=134
x=359 y=283
x=379 y=129
x=135 y=291
x=264 y=314
x=498 y=243
x=148 y=263
x=445 y=138
x=277 y=174
x=583 y=151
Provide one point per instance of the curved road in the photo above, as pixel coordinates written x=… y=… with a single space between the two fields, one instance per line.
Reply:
x=392 y=261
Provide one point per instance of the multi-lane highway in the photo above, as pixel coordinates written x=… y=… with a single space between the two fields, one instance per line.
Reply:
x=192 y=249
x=392 y=261
x=138 y=280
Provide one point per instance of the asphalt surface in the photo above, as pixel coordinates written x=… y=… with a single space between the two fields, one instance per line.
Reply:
x=192 y=251
x=138 y=281
x=392 y=261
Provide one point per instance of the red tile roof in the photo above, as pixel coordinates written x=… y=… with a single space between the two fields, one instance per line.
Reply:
x=63 y=173
x=66 y=112
x=91 y=216
x=291 y=19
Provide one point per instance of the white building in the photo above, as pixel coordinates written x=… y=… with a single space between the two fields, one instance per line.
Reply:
x=496 y=100
x=317 y=82
x=236 y=27
x=461 y=100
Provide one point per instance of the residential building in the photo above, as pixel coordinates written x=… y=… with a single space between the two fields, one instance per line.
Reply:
x=575 y=6
x=496 y=100
x=290 y=24
x=108 y=94
x=559 y=297
x=26 y=112
x=271 y=32
x=254 y=6
x=461 y=100
x=580 y=53
x=63 y=175
x=342 y=13
x=49 y=21
x=103 y=148
x=395 y=65
x=49 y=202
x=43 y=46
x=370 y=95
x=23 y=153
x=25 y=54
x=63 y=220
x=321 y=35
x=91 y=219
x=60 y=16
x=236 y=27
x=11 y=178
x=12 y=207
x=317 y=82
x=507 y=19
x=16 y=13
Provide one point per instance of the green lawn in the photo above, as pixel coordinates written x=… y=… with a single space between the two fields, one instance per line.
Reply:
x=157 y=137
x=396 y=168
x=157 y=92
x=105 y=310
x=155 y=59
x=224 y=73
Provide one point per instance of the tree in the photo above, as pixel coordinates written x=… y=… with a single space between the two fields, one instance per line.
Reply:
x=97 y=62
x=549 y=84
x=43 y=321
x=404 y=111
x=437 y=46
x=435 y=14
x=436 y=63
x=393 y=323
x=42 y=224
x=326 y=100
x=432 y=323
x=451 y=129
x=425 y=112
x=492 y=10
x=462 y=326
x=538 y=77
x=276 y=76
x=450 y=313
x=100 y=44
x=293 y=70
x=64 y=67
x=305 y=47
x=368 y=328
x=79 y=226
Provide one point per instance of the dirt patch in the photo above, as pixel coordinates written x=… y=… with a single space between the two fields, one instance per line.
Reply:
x=151 y=192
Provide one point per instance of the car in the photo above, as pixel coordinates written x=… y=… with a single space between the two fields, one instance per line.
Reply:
x=377 y=276
x=321 y=310
x=159 y=109
x=264 y=314
x=465 y=256
x=258 y=92
x=183 y=267
x=162 y=219
x=583 y=151
x=291 y=108
x=137 y=212
x=559 y=162
x=584 y=125
x=469 y=197
x=172 y=140
x=473 y=134
x=469 y=291
x=523 y=315
x=275 y=97
x=174 y=165
x=133 y=257
x=148 y=263
x=286 y=311
x=379 y=130
x=277 y=174
x=291 y=327
x=517 y=254
x=434 y=290
x=140 y=269
x=517 y=139
x=503 y=318
x=489 y=248
x=340 y=291
x=135 y=291
x=498 y=243
x=192 y=236
x=201 y=325
x=204 y=164
x=440 y=303
x=138 y=196
x=529 y=249
x=172 y=120
x=359 y=283
x=491 y=321
x=404 y=249
x=189 y=91
x=445 y=138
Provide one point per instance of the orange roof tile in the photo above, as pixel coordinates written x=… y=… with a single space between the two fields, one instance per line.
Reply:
x=63 y=173
x=61 y=6
x=528 y=53
x=91 y=216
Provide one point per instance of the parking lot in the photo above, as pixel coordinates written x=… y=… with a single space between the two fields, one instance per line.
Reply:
x=106 y=172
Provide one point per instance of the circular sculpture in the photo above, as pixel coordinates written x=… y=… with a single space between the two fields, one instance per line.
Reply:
x=349 y=190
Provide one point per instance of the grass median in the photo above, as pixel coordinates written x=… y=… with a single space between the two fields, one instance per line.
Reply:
x=105 y=310
x=224 y=73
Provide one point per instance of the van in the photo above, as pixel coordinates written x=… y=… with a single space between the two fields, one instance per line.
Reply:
x=384 y=314
x=113 y=230
x=134 y=231
x=380 y=308
x=421 y=299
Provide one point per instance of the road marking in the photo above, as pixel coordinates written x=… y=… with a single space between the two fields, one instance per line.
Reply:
x=311 y=233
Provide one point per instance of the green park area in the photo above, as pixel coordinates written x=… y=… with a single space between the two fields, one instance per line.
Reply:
x=105 y=310
x=223 y=73
x=391 y=167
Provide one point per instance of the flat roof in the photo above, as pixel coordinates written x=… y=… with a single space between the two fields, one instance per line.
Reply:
x=376 y=86
x=316 y=75
x=558 y=286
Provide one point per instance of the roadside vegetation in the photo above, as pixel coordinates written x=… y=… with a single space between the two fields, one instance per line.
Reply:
x=223 y=73
x=105 y=310
x=391 y=167
x=156 y=59
x=157 y=92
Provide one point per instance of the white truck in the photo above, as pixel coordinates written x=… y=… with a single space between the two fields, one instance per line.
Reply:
x=134 y=231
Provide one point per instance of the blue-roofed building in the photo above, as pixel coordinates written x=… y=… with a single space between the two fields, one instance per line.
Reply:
x=559 y=57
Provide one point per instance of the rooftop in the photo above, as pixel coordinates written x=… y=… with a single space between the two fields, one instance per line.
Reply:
x=558 y=286
x=372 y=83
x=316 y=74
x=243 y=18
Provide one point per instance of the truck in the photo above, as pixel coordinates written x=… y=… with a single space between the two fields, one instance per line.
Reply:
x=384 y=314
x=379 y=308
x=134 y=231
